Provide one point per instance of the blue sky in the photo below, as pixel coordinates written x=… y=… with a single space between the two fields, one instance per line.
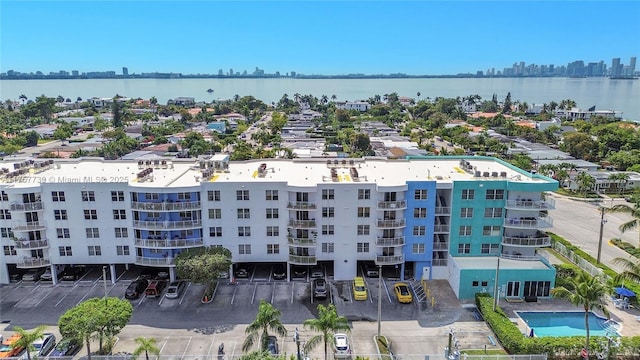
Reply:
x=312 y=37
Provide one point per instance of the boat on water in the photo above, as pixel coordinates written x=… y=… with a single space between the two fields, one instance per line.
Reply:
x=623 y=78
x=209 y=90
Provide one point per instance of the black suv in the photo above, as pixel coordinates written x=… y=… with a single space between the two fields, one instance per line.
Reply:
x=279 y=272
x=136 y=289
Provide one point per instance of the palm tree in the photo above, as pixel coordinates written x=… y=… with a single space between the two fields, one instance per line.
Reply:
x=634 y=211
x=587 y=291
x=146 y=346
x=268 y=318
x=23 y=97
x=27 y=338
x=327 y=323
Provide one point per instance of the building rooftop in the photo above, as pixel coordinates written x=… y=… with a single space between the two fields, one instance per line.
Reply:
x=491 y=262
x=298 y=172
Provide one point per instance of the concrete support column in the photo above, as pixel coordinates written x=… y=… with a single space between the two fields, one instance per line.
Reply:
x=172 y=273
x=54 y=274
x=112 y=272
x=402 y=272
x=4 y=275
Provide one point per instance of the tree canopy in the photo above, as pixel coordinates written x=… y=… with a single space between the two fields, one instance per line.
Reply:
x=204 y=264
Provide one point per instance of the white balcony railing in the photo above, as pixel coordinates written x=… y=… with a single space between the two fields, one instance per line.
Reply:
x=392 y=205
x=302 y=260
x=390 y=224
x=301 y=205
x=166 y=206
x=31 y=244
x=302 y=224
x=389 y=260
x=34 y=206
x=149 y=261
x=522 y=257
x=169 y=243
x=166 y=224
x=29 y=226
x=529 y=222
x=33 y=262
x=441 y=210
x=395 y=241
x=301 y=242
x=444 y=228
x=538 y=241
x=546 y=204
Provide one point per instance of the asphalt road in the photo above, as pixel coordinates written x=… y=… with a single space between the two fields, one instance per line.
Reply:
x=579 y=223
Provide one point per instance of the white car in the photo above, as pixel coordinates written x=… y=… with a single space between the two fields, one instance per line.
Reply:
x=43 y=346
x=341 y=346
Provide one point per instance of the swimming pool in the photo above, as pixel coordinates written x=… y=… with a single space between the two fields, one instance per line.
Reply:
x=567 y=323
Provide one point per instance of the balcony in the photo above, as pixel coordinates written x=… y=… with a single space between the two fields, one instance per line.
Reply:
x=395 y=241
x=522 y=257
x=149 y=261
x=33 y=206
x=31 y=244
x=546 y=204
x=392 y=205
x=440 y=246
x=166 y=206
x=302 y=260
x=391 y=224
x=302 y=224
x=389 y=260
x=529 y=241
x=301 y=205
x=27 y=263
x=301 y=242
x=170 y=243
x=441 y=210
x=443 y=228
x=30 y=226
x=167 y=224
x=529 y=222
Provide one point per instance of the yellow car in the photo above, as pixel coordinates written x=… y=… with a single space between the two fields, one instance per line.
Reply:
x=359 y=289
x=402 y=293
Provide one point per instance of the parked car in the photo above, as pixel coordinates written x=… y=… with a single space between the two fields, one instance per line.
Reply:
x=7 y=351
x=272 y=345
x=154 y=289
x=371 y=270
x=148 y=274
x=320 y=288
x=359 y=289
x=72 y=273
x=162 y=275
x=136 y=288
x=279 y=272
x=316 y=272
x=66 y=347
x=402 y=293
x=33 y=275
x=223 y=275
x=175 y=289
x=43 y=346
x=48 y=275
x=341 y=349
x=242 y=273
x=298 y=272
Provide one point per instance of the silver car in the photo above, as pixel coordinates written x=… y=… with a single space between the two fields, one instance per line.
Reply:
x=175 y=289
x=43 y=346
x=341 y=346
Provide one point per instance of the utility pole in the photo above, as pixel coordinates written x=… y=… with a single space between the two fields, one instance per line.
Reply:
x=602 y=222
x=379 y=297
x=104 y=280
x=496 y=291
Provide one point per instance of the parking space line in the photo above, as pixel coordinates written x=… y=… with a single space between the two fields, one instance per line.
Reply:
x=351 y=294
x=184 y=293
x=164 y=344
x=293 y=291
x=26 y=296
x=235 y=288
x=253 y=296
x=10 y=292
x=213 y=340
x=50 y=291
x=387 y=289
x=67 y=293
x=273 y=291
x=186 y=347
x=87 y=294
x=141 y=300
x=330 y=292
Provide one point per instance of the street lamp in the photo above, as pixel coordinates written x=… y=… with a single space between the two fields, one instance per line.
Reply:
x=104 y=280
x=602 y=222
x=296 y=338
x=496 y=291
x=379 y=297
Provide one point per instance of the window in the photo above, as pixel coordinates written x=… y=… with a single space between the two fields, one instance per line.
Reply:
x=419 y=230
x=493 y=212
x=420 y=213
x=244 y=249
x=57 y=196
x=489 y=248
x=63 y=233
x=271 y=194
x=213 y=195
x=95 y=250
x=185 y=215
x=465 y=230
x=273 y=231
x=417 y=249
x=464 y=248
x=363 y=229
x=475 y=283
x=328 y=194
x=466 y=212
x=363 y=247
x=328 y=212
x=364 y=212
x=151 y=196
x=468 y=194
x=494 y=194
x=5 y=214
x=327 y=230
x=272 y=213
x=420 y=194
x=153 y=216
x=117 y=196
x=244 y=231
x=215 y=213
x=484 y=283
x=65 y=251
x=184 y=196
x=244 y=214
x=242 y=194
x=10 y=250
x=122 y=250
x=491 y=230
x=4 y=196
x=60 y=214
x=364 y=194
x=92 y=233
x=91 y=215
x=273 y=249
x=121 y=232
x=119 y=214
x=6 y=232
x=215 y=231
x=327 y=247
x=88 y=196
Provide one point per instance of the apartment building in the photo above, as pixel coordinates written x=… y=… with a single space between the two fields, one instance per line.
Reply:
x=454 y=218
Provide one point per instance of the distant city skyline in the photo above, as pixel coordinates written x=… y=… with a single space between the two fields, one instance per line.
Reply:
x=311 y=37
